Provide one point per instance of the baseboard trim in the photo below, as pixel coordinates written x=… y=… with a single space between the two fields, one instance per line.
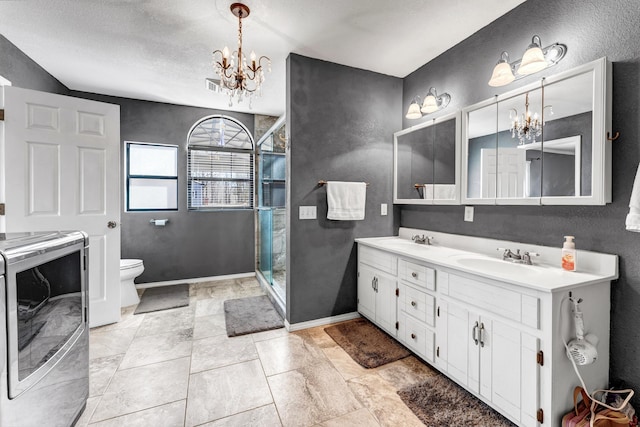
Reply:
x=320 y=322
x=195 y=280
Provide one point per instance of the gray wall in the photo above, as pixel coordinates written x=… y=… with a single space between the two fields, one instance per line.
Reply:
x=193 y=244
x=341 y=122
x=23 y=72
x=591 y=29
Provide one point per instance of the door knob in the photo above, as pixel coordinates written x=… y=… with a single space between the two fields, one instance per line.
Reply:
x=112 y=224
x=413 y=303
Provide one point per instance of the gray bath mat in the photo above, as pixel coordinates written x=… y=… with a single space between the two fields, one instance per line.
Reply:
x=438 y=401
x=163 y=298
x=366 y=343
x=248 y=315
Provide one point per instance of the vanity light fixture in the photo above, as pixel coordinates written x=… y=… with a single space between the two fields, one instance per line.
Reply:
x=534 y=59
x=238 y=79
x=432 y=103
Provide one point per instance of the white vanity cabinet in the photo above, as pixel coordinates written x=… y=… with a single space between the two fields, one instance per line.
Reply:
x=496 y=329
x=377 y=287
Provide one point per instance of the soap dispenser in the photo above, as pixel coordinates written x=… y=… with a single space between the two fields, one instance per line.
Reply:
x=569 y=254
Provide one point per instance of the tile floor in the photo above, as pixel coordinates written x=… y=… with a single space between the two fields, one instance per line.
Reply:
x=178 y=368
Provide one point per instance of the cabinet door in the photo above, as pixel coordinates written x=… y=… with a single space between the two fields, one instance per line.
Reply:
x=462 y=353
x=385 y=287
x=366 y=291
x=509 y=372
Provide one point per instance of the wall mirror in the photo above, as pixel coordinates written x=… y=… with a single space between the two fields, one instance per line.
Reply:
x=544 y=143
x=427 y=162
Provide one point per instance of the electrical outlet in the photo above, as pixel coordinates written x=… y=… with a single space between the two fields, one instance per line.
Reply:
x=383 y=209
x=468 y=213
x=307 y=212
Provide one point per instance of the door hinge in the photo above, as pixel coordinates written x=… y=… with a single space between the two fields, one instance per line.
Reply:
x=85 y=262
x=86 y=315
x=358 y=274
x=1 y=115
x=438 y=311
x=397 y=292
x=540 y=358
x=397 y=325
x=438 y=351
x=1 y=209
x=540 y=415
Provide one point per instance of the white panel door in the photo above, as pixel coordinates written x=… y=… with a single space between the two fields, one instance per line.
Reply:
x=61 y=172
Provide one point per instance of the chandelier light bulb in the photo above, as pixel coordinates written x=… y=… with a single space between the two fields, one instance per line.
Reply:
x=225 y=52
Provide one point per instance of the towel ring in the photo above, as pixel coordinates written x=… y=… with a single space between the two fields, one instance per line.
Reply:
x=614 y=137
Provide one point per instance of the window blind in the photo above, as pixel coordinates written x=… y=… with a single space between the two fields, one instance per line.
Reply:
x=220 y=178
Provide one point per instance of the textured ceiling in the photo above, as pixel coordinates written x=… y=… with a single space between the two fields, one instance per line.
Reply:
x=160 y=50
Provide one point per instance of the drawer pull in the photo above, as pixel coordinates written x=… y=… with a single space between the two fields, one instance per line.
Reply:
x=413 y=303
x=413 y=336
x=414 y=274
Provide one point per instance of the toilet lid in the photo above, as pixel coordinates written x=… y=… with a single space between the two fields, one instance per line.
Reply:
x=130 y=263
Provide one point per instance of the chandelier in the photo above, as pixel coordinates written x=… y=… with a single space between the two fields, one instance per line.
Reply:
x=525 y=127
x=237 y=78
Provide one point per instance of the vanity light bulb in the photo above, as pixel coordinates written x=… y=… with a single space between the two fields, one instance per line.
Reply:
x=414 y=111
x=430 y=104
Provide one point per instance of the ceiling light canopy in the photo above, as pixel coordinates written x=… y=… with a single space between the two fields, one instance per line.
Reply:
x=432 y=103
x=245 y=80
x=534 y=59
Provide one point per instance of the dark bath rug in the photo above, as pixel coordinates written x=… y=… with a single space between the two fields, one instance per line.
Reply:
x=249 y=315
x=438 y=401
x=163 y=298
x=366 y=343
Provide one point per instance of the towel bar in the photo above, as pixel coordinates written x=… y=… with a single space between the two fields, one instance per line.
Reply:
x=323 y=182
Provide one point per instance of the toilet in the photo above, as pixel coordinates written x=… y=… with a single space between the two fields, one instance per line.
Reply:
x=129 y=270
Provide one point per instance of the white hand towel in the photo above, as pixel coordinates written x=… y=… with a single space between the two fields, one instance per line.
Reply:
x=633 y=218
x=346 y=200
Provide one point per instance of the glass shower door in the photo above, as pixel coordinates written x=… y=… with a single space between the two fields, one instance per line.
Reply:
x=271 y=243
x=265 y=216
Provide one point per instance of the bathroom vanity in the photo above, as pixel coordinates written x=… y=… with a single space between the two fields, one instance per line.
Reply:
x=493 y=326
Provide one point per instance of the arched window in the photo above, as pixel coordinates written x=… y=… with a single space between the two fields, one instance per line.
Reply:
x=220 y=165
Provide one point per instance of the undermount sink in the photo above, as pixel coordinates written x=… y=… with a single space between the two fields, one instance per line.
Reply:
x=497 y=266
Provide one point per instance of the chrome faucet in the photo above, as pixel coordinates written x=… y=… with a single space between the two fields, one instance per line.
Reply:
x=525 y=258
x=423 y=240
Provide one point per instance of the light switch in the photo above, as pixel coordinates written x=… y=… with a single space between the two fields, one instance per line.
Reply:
x=383 y=209
x=307 y=212
x=468 y=213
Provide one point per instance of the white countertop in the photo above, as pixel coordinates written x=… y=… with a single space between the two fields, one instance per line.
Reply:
x=540 y=276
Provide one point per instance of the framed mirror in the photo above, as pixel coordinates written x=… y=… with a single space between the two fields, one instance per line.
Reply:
x=427 y=162
x=544 y=143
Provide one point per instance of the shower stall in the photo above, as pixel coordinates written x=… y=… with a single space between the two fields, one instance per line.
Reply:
x=271 y=212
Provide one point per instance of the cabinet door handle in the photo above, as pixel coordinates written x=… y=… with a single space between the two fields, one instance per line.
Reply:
x=413 y=303
x=413 y=336
x=414 y=274
x=373 y=283
x=376 y=287
x=475 y=333
x=481 y=334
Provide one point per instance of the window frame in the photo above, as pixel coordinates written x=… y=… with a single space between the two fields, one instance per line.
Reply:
x=129 y=176
x=222 y=149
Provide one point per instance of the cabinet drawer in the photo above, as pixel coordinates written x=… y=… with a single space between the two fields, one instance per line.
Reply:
x=417 y=304
x=381 y=260
x=417 y=274
x=503 y=302
x=416 y=336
